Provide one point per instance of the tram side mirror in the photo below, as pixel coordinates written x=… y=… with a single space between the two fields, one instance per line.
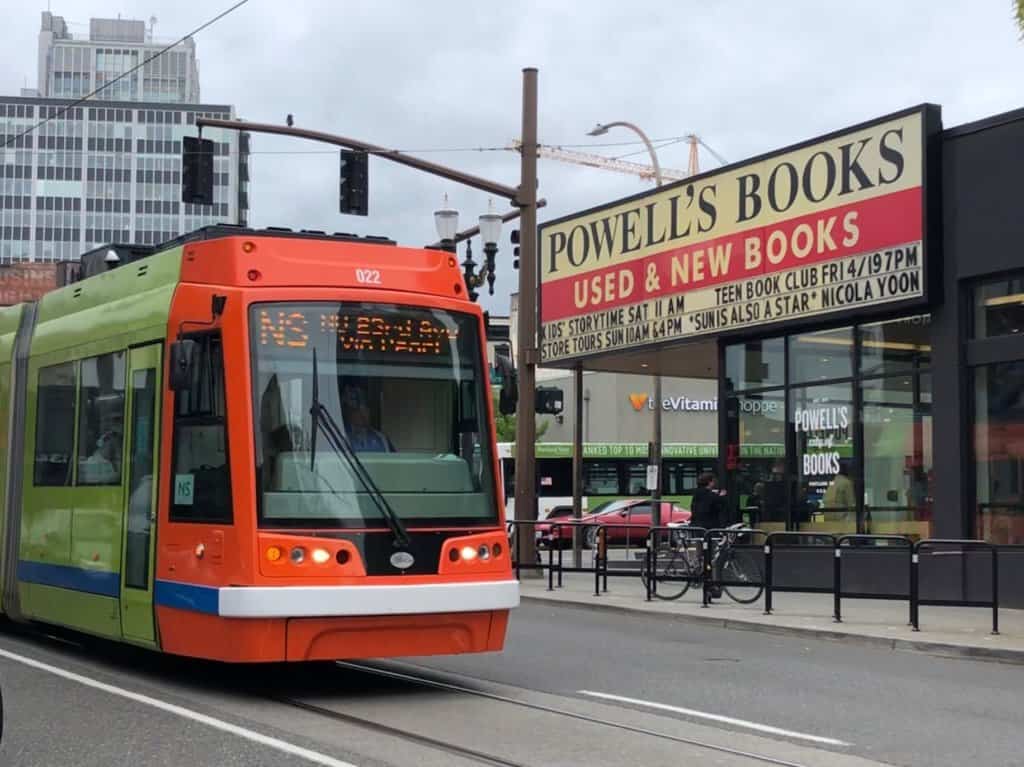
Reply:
x=508 y=396
x=183 y=355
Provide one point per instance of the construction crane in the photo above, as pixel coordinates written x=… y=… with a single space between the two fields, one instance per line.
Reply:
x=645 y=172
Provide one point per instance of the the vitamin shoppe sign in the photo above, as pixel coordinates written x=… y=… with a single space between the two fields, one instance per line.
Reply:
x=833 y=225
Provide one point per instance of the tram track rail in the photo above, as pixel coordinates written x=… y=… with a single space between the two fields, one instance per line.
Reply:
x=397 y=732
x=398 y=676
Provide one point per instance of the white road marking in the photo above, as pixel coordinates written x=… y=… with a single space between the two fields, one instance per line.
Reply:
x=291 y=749
x=717 y=718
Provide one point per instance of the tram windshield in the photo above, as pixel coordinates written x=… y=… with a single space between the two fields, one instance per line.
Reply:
x=400 y=427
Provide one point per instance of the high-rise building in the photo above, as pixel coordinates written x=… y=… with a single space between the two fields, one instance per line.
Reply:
x=108 y=170
x=71 y=67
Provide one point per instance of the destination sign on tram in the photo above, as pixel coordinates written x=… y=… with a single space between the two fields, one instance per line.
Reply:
x=299 y=327
x=833 y=226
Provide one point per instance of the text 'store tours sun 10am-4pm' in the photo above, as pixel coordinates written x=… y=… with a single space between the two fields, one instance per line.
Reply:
x=834 y=225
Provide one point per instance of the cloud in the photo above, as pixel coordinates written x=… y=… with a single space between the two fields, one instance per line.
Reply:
x=746 y=76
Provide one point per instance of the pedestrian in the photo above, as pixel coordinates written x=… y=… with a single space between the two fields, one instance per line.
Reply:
x=708 y=511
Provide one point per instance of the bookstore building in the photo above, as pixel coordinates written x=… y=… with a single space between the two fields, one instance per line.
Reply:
x=858 y=300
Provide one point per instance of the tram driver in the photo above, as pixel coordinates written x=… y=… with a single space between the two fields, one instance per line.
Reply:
x=355 y=409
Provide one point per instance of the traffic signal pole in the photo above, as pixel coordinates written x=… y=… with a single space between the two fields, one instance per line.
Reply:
x=477 y=182
x=526 y=426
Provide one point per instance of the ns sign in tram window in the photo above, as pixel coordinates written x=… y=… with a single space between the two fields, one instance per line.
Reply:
x=397 y=401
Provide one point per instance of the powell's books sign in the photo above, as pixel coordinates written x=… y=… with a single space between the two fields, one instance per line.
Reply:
x=836 y=225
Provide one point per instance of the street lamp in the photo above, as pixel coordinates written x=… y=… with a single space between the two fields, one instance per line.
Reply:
x=447 y=222
x=599 y=130
x=490 y=232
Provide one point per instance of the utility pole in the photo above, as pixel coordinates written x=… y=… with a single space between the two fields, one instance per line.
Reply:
x=526 y=427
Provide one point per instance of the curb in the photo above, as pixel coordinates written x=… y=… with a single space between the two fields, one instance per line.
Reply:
x=975 y=652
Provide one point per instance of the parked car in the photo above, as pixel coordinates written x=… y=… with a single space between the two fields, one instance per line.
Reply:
x=625 y=521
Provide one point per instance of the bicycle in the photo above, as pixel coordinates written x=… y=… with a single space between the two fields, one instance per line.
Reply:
x=738 y=571
x=679 y=564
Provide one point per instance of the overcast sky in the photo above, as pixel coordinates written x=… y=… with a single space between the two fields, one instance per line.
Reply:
x=747 y=76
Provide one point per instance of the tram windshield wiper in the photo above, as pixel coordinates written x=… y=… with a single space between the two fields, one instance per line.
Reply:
x=321 y=418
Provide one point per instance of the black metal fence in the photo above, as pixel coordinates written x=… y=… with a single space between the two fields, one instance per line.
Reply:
x=746 y=562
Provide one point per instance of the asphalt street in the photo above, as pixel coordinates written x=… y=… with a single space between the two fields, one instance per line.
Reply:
x=573 y=687
x=900 y=707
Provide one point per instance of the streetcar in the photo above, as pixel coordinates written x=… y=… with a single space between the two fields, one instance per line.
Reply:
x=255 y=446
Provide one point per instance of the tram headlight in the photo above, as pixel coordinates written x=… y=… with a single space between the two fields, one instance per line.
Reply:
x=321 y=555
x=297 y=555
x=274 y=554
x=468 y=553
x=484 y=551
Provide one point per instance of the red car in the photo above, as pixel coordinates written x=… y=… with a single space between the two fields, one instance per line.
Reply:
x=626 y=521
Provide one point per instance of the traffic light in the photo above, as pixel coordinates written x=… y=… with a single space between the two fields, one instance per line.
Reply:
x=515 y=250
x=354 y=191
x=197 y=171
x=548 y=400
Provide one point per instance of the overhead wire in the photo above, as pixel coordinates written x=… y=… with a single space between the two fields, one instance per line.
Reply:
x=78 y=102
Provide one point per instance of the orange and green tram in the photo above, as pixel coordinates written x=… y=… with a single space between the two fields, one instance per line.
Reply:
x=255 y=446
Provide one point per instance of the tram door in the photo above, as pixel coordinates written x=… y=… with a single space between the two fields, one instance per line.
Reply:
x=140 y=499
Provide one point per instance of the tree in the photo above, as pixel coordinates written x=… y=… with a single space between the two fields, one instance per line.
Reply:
x=505 y=425
x=1018 y=12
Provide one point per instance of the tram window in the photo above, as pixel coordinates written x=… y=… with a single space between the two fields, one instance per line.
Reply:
x=55 y=425
x=101 y=419
x=201 y=481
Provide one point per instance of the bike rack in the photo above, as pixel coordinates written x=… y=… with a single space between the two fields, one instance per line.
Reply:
x=769 y=569
x=837 y=575
x=819 y=541
x=964 y=546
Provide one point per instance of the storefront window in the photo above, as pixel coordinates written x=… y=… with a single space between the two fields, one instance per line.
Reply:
x=822 y=422
x=757 y=459
x=999 y=308
x=895 y=346
x=756 y=365
x=898 y=476
x=999 y=452
x=821 y=356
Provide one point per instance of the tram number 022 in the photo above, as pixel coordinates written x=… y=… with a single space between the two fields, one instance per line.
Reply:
x=368 y=276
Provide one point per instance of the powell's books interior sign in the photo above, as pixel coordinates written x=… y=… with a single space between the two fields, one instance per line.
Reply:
x=833 y=225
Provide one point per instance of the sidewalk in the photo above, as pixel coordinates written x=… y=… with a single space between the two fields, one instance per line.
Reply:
x=961 y=631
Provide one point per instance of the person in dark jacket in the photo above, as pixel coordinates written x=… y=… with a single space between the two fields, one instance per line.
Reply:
x=707 y=509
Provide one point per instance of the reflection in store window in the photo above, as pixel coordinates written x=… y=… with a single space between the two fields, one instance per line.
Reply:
x=999 y=308
x=756 y=364
x=895 y=346
x=821 y=356
x=999 y=452
x=898 y=476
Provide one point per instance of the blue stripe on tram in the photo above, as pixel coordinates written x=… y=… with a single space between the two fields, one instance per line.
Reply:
x=187 y=596
x=101 y=582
